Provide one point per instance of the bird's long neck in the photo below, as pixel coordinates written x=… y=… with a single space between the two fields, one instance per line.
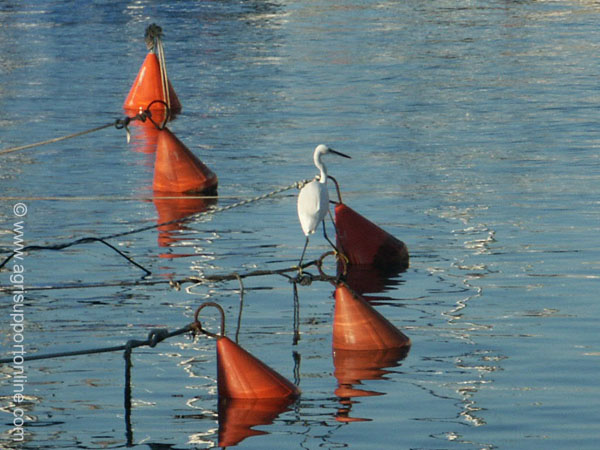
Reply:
x=322 y=169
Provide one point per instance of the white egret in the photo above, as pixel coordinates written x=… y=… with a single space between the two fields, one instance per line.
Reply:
x=313 y=200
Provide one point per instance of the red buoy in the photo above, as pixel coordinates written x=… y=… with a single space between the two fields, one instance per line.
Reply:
x=358 y=326
x=178 y=170
x=363 y=242
x=148 y=87
x=241 y=375
x=237 y=416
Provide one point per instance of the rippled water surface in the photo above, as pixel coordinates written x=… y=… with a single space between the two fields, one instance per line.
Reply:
x=473 y=131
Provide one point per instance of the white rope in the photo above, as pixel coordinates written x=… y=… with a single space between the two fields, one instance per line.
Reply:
x=163 y=71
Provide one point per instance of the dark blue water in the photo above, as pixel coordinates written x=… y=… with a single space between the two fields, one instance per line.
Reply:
x=472 y=127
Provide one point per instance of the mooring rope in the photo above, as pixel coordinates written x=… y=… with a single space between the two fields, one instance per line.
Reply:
x=154 y=337
x=153 y=36
x=57 y=139
x=163 y=71
x=118 y=124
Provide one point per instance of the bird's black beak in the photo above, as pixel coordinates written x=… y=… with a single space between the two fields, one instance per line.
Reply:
x=339 y=153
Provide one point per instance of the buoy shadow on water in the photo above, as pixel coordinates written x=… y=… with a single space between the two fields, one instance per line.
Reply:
x=364 y=279
x=144 y=137
x=171 y=210
x=237 y=417
x=352 y=367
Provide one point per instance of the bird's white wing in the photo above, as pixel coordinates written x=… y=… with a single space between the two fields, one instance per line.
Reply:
x=313 y=201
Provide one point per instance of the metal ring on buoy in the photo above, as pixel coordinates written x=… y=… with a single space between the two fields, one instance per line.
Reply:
x=199 y=325
x=332 y=280
x=167 y=115
x=337 y=188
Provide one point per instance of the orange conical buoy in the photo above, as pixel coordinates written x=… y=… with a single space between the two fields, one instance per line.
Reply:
x=358 y=326
x=178 y=170
x=241 y=375
x=147 y=88
x=363 y=242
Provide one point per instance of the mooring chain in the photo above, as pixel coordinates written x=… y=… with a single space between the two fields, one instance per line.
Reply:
x=176 y=284
x=103 y=239
x=297 y=184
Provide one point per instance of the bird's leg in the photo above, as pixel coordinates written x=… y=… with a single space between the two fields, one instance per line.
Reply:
x=338 y=253
x=302 y=257
x=326 y=237
x=333 y=223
